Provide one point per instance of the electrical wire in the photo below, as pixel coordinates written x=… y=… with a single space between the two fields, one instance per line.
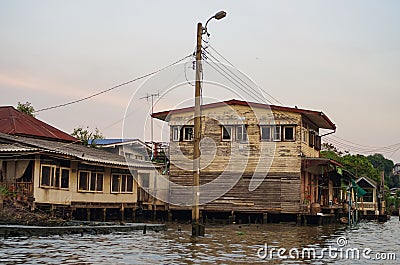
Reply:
x=226 y=60
x=112 y=88
x=234 y=76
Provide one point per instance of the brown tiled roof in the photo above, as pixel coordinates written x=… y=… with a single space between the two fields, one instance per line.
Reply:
x=17 y=123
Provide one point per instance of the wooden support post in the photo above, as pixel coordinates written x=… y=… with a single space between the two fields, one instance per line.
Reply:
x=169 y=216
x=265 y=218
x=133 y=215
x=104 y=214
x=122 y=212
x=298 y=219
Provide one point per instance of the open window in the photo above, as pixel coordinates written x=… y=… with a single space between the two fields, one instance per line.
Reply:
x=227 y=133
x=288 y=133
x=188 y=133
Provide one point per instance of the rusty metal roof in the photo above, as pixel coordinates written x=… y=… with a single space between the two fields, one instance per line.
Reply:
x=15 y=122
x=75 y=151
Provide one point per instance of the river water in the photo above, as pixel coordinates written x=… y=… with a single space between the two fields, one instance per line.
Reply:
x=232 y=244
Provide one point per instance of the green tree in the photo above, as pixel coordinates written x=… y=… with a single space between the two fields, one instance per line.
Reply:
x=26 y=108
x=86 y=136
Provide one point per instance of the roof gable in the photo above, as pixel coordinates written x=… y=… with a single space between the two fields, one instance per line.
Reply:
x=15 y=122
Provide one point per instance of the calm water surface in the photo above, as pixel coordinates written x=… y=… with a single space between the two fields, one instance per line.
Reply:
x=233 y=244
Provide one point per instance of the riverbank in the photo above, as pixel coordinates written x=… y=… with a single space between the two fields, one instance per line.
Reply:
x=16 y=213
x=26 y=231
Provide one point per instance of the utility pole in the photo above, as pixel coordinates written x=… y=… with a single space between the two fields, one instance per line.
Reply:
x=197 y=225
x=152 y=150
x=196 y=231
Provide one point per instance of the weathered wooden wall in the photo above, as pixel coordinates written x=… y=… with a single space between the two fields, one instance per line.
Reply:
x=280 y=161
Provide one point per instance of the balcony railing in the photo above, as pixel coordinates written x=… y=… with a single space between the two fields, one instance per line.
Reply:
x=21 y=188
x=372 y=206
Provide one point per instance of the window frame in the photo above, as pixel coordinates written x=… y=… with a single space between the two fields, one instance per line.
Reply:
x=269 y=127
x=304 y=134
x=230 y=132
x=184 y=128
x=52 y=173
x=311 y=138
x=121 y=183
x=274 y=133
x=241 y=137
x=55 y=178
x=61 y=176
x=293 y=133
x=89 y=181
x=176 y=132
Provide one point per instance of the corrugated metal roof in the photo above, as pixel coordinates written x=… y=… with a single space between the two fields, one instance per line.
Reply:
x=77 y=151
x=16 y=148
x=17 y=123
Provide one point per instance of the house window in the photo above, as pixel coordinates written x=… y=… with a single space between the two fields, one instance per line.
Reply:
x=241 y=133
x=304 y=135
x=270 y=133
x=90 y=181
x=188 y=133
x=311 y=138
x=265 y=133
x=227 y=133
x=64 y=178
x=276 y=135
x=138 y=157
x=288 y=133
x=54 y=177
x=175 y=133
x=317 y=142
x=121 y=183
x=48 y=174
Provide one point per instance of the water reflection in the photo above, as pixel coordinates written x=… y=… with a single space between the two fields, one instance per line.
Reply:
x=222 y=245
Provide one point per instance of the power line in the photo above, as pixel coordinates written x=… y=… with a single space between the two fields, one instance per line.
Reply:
x=112 y=88
x=234 y=76
x=276 y=100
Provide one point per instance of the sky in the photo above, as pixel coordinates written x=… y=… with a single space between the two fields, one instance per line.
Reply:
x=341 y=57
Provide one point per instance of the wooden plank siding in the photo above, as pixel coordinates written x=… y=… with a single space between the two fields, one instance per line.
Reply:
x=281 y=161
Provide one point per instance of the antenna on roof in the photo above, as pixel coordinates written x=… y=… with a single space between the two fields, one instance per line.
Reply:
x=147 y=97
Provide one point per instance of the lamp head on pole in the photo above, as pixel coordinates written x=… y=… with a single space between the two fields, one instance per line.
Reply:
x=219 y=15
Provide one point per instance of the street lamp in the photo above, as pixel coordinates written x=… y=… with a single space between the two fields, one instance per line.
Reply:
x=217 y=16
x=197 y=228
